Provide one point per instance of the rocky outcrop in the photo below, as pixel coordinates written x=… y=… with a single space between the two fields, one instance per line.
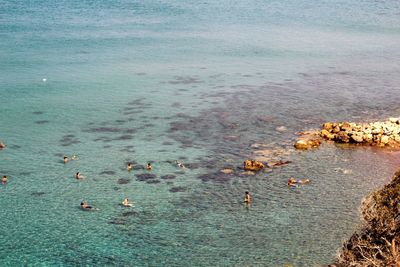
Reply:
x=252 y=165
x=378 y=242
x=385 y=133
x=307 y=140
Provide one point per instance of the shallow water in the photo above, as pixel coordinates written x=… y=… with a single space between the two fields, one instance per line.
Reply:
x=200 y=83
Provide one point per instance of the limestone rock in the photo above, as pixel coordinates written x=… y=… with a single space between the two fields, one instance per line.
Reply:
x=326 y=134
x=346 y=127
x=328 y=126
x=281 y=129
x=368 y=138
x=343 y=137
x=336 y=129
x=227 y=171
x=306 y=144
x=374 y=133
x=357 y=137
x=384 y=139
x=252 y=165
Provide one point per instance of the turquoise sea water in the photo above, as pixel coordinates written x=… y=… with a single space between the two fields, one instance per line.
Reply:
x=198 y=82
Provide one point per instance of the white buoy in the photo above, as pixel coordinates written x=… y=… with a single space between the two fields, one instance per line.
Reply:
x=44 y=80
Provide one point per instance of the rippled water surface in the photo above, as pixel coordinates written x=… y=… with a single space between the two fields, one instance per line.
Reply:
x=209 y=84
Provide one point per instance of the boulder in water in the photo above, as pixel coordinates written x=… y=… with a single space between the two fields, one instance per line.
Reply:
x=303 y=143
x=252 y=165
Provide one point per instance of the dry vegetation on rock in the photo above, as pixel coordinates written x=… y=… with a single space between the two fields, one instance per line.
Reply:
x=378 y=242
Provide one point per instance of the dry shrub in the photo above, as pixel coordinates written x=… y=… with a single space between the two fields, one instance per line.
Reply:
x=378 y=242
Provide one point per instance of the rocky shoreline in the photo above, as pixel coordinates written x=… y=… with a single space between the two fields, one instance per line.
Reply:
x=386 y=133
x=378 y=241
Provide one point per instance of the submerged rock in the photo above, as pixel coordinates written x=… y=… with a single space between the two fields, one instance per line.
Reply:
x=177 y=189
x=168 y=177
x=280 y=163
x=123 y=181
x=227 y=171
x=281 y=129
x=145 y=176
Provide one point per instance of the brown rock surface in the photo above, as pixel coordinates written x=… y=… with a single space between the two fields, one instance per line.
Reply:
x=252 y=165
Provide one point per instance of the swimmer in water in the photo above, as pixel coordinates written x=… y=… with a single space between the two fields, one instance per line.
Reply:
x=78 y=176
x=2 y=145
x=291 y=181
x=247 y=198
x=180 y=164
x=126 y=203
x=129 y=167
x=4 y=179
x=149 y=167
x=65 y=159
x=294 y=182
x=85 y=206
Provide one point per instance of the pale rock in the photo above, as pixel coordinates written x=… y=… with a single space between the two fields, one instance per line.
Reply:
x=326 y=134
x=357 y=137
x=336 y=129
x=306 y=144
x=328 y=126
x=281 y=129
x=384 y=139
x=227 y=171
x=367 y=131
x=368 y=138
x=377 y=131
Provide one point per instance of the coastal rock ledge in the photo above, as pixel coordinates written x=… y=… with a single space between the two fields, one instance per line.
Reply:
x=377 y=243
x=386 y=133
x=375 y=133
